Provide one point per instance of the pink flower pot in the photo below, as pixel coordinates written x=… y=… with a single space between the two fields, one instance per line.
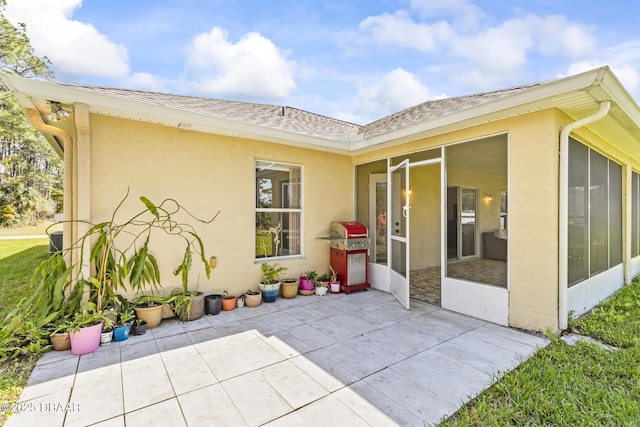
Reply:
x=306 y=285
x=86 y=339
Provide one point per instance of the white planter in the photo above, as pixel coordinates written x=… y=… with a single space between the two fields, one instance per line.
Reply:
x=321 y=290
x=335 y=287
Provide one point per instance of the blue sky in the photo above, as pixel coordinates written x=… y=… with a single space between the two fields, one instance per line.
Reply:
x=352 y=60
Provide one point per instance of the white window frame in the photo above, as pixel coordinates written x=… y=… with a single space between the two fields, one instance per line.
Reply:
x=268 y=164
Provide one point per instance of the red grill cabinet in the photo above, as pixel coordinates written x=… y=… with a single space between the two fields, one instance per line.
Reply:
x=350 y=254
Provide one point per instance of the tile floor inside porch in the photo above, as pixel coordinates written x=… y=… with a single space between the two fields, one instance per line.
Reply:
x=357 y=359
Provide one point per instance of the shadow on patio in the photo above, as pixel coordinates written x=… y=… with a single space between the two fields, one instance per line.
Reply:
x=358 y=359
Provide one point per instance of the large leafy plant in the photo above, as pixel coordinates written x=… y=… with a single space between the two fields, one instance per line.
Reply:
x=120 y=258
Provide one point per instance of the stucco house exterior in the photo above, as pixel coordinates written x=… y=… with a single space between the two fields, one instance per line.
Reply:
x=518 y=206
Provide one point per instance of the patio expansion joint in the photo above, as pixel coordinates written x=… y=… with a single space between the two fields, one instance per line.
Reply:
x=75 y=377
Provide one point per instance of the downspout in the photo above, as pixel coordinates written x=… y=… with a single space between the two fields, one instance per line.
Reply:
x=563 y=267
x=32 y=119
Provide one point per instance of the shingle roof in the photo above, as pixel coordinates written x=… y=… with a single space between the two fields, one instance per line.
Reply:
x=431 y=109
x=304 y=122
x=273 y=116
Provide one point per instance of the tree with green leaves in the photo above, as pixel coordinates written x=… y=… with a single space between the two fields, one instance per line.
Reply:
x=30 y=171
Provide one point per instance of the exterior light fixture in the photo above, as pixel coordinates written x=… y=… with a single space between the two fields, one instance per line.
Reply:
x=57 y=112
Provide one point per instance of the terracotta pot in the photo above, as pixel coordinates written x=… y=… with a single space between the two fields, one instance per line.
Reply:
x=60 y=341
x=253 y=300
x=229 y=303
x=289 y=289
x=152 y=315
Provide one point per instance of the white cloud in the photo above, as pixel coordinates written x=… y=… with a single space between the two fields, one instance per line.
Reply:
x=393 y=92
x=252 y=67
x=399 y=29
x=496 y=50
x=624 y=60
x=478 y=52
x=503 y=53
x=555 y=35
x=465 y=15
x=146 y=81
x=74 y=48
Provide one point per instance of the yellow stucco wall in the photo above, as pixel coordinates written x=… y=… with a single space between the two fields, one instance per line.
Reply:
x=424 y=216
x=209 y=173
x=533 y=221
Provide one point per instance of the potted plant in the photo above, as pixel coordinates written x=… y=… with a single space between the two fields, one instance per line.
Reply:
x=122 y=329
x=270 y=282
x=213 y=304
x=149 y=309
x=334 y=283
x=119 y=257
x=106 y=336
x=322 y=285
x=85 y=328
x=228 y=301
x=307 y=282
x=252 y=298
x=60 y=336
x=289 y=287
x=139 y=327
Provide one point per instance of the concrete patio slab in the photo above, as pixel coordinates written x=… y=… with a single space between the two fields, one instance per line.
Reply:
x=357 y=359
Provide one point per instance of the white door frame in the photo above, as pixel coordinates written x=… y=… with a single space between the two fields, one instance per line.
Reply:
x=399 y=285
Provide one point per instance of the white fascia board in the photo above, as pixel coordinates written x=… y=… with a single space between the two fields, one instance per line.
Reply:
x=99 y=103
x=480 y=113
x=136 y=110
x=621 y=97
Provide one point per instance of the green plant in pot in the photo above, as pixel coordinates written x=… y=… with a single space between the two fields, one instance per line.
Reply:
x=144 y=270
x=60 y=335
x=125 y=318
x=110 y=256
x=307 y=282
x=270 y=282
x=334 y=283
x=85 y=328
x=186 y=303
x=322 y=285
x=289 y=287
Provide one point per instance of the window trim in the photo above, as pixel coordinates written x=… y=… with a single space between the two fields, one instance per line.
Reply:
x=256 y=209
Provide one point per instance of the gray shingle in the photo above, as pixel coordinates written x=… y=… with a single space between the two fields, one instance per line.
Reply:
x=300 y=121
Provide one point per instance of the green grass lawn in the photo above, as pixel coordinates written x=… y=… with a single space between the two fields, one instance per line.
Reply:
x=563 y=385
x=31 y=230
x=18 y=259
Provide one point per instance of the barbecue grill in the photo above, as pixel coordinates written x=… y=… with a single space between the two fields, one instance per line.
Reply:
x=349 y=254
